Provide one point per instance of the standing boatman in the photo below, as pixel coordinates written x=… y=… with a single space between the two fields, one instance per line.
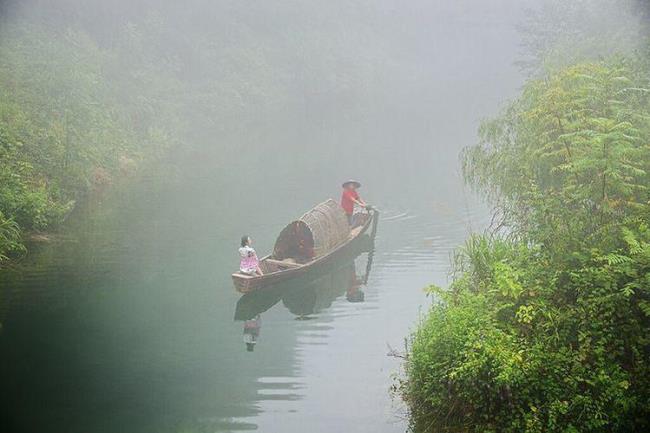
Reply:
x=349 y=198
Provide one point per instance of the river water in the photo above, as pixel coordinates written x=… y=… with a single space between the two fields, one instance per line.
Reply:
x=129 y=321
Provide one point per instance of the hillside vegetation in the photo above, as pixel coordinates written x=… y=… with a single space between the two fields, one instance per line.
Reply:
x=545 y=327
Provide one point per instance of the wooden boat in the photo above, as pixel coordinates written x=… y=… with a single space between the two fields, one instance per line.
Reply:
x=320 y=286
x=306 y=244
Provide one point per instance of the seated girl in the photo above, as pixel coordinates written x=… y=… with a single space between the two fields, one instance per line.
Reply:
x=249 y=264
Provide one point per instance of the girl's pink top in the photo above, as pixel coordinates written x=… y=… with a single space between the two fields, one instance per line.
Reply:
x=249 y=261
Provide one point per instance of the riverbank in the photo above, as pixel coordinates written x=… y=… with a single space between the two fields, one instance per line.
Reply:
x=544 y=328
x=66 y=134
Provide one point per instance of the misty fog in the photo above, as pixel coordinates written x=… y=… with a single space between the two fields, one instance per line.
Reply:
x=170 y=129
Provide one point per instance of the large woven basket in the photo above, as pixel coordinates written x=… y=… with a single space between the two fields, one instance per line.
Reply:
x=314 y=234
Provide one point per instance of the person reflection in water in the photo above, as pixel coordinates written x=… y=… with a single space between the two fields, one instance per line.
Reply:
x=252 y=332
x=249 y=263
x=354 y=292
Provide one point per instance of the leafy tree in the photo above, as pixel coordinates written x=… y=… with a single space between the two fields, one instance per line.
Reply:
x=571 y=156
x=545 y=328
x=65 y=133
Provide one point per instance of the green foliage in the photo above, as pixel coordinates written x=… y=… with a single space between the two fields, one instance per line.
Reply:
x=9 y=237
x=520 y=344
x=23 y=194
x=545 y=327
x=571 y=156
x=65 y=133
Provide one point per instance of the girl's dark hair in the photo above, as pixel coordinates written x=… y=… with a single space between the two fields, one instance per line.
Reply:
x=244 y=240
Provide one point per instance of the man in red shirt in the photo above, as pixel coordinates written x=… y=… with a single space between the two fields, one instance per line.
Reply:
x=350 y=197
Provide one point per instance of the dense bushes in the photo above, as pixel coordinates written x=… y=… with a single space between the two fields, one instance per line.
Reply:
x=64 y=131
x=571 y=156
x=545 y=328
x=26 y=202
x=520 y=344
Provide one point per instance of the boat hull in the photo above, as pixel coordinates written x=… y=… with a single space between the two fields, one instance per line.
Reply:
x=246 y=283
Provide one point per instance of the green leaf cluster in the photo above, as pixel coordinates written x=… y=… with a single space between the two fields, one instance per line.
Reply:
x=65 y=133
x=571 y=157
x=546 y=325
x=523 y=344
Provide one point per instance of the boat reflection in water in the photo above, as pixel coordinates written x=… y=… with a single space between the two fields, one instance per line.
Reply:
x=307 y=295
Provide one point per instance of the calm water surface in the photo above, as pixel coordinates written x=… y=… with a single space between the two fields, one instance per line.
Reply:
x=129 y=321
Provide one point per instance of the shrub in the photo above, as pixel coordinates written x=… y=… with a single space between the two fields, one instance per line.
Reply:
x=9 y=238
x=518 y=344
x=545 y=328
